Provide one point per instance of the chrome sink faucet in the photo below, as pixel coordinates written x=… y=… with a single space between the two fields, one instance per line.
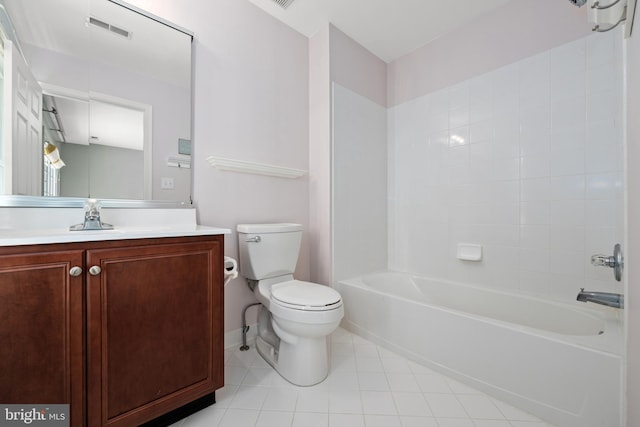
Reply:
x=91 y=218
x=603 y=298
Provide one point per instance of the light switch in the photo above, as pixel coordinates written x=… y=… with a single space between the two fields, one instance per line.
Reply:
x=166 y=183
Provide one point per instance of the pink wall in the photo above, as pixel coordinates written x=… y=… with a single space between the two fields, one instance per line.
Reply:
x=505 y=35
x=320 y=156
x=251 y=103
x=357 y=69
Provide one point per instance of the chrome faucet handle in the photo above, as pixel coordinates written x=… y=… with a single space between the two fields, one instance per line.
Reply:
x=616 y=261
x=602 y=260
x=92 y=219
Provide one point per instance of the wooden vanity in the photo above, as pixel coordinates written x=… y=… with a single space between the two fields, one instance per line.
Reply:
x=123 y=330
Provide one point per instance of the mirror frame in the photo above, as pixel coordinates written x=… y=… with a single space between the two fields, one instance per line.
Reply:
x=11 y=201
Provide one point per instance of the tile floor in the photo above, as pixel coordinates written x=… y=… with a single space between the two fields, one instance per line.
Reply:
x=368 y=386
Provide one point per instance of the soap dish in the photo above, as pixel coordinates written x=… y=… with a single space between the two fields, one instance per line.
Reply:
x=469 y=252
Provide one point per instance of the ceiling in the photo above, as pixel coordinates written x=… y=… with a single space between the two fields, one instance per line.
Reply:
x=387 y=28
x=61 y=26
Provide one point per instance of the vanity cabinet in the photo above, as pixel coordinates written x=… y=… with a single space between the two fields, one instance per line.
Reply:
x=42 y=329
x=136 y=335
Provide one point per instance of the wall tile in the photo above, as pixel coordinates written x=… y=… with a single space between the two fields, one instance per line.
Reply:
x=533 y=173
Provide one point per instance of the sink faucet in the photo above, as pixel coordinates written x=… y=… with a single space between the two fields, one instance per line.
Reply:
x=91 y=218
x=604 y=298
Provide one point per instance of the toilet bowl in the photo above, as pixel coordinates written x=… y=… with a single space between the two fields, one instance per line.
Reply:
x=297 y=316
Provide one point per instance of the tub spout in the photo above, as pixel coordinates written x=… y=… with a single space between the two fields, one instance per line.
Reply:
x=604 y=298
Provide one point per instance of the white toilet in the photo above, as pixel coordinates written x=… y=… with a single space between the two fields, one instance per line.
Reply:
x=296 y=317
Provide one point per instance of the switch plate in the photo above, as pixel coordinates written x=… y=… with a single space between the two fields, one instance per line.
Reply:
x=166 y=183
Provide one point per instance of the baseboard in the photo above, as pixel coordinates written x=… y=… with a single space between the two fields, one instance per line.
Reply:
x=233 y=339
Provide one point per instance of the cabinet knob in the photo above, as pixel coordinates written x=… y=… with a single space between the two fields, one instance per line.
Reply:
x=75 y=271
x=94 y=270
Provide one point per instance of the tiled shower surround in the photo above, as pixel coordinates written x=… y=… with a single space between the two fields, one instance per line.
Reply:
x=526 y=160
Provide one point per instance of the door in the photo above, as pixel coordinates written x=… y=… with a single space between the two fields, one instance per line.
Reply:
x=155 y=327
x=42 y=330
x=22 y=136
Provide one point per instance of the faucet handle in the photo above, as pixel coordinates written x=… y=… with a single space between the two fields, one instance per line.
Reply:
x=602 y=260
x=616 y=261
x=92 y=208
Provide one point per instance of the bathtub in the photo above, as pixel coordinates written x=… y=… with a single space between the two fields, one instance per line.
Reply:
x=559 y=362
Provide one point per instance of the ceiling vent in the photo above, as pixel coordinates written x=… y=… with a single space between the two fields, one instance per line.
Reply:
x=112 y=28
x=283 y=3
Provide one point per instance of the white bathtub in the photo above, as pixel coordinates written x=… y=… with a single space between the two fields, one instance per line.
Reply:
x=560 y=362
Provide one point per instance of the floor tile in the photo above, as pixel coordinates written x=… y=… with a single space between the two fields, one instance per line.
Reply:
x=411 y=404
x=432 y=383
x=403 y=382
x=280 y=399
x=455 y=422
x=248 y=397
x=418 y=421
x=312 y=401
x=310 y=419
x=209 y=417
x=345 y=401
x=480 y=407
x=378 y=403
x=382 y=421
x=274 y=419
x=445 y=405
x=373 y=381
x=368 y=386
x=492 y=423
x=346 y=420
x=238 y=417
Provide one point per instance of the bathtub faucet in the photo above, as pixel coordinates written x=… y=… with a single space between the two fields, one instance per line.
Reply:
x=604 y=298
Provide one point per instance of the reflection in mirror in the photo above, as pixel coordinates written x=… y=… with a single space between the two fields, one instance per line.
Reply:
x=114 y=94
x=104 y=148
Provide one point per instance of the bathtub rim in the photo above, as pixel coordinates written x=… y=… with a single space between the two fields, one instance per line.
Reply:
x=610 y=342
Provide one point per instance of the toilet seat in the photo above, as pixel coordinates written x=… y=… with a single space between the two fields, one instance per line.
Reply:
x=306 y=296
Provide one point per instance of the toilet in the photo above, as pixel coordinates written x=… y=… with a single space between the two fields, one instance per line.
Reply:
x=296 y=317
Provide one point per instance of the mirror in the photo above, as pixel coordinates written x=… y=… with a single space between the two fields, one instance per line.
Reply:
x=104 y=90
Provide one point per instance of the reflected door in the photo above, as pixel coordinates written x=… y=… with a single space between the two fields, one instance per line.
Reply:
x=23 y=132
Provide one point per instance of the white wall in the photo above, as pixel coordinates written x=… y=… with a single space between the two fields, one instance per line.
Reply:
x=525 y=160
x=632 y=260
x=359 y=184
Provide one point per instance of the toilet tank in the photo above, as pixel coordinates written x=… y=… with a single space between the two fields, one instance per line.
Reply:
x=268 y=250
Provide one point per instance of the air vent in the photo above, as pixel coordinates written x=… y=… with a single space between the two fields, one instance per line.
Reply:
x=111 y=28
x=283 y=3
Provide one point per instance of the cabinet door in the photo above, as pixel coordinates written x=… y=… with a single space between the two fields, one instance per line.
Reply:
x=42 y=330
x=155 y=324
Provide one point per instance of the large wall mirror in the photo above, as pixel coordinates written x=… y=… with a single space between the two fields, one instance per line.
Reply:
x=96 y=102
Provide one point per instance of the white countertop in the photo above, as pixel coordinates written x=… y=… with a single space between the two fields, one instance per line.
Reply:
x=63 y=235
x=33 y=226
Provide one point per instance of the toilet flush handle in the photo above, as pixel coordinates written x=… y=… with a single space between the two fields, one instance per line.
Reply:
x=254 y=239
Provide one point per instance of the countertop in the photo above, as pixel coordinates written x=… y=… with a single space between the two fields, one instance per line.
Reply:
x=33 y=226
x=63 y=235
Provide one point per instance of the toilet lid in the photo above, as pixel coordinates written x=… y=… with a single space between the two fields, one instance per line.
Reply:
x=305 y=294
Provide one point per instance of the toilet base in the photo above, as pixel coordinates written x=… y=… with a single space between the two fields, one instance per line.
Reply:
x=304 y=364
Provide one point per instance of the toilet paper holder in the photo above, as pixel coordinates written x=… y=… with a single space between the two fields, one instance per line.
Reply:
x=230 y=269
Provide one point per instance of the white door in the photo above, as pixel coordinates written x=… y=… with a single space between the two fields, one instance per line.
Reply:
x=23 y=146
